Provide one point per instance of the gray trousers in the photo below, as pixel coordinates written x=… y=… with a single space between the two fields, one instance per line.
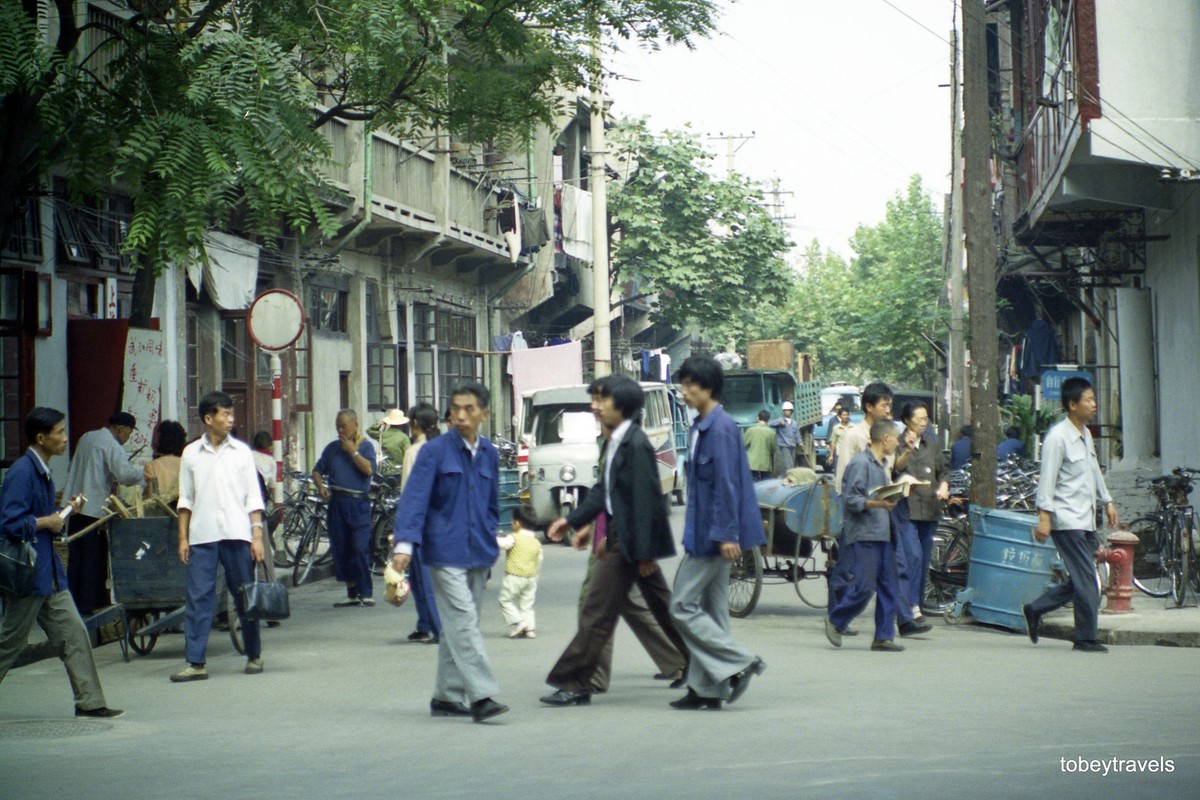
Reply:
x=700 y=608
x=464 y=674
x=645 y=627
x=1078 y=552
x=59 y=618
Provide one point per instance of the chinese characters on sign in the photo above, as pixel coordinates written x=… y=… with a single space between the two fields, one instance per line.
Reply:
x=143 y=376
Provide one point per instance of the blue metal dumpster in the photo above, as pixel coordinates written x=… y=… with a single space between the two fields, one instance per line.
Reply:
x=1009 y=568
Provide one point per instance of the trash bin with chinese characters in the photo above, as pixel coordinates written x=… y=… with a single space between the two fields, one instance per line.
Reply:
x=1008 y=568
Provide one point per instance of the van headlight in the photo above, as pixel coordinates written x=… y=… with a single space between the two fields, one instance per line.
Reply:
x=567 y=473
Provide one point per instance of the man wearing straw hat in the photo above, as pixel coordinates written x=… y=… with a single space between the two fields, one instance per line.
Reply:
x=393 y=441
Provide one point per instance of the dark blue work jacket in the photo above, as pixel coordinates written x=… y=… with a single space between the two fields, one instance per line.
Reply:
x=722 y=505
x=451 y=503
x=28 y=493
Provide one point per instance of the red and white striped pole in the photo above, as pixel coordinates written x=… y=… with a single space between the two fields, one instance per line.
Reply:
x=277 y=423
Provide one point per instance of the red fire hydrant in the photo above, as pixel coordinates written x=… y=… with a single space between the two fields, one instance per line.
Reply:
x=1119 y=556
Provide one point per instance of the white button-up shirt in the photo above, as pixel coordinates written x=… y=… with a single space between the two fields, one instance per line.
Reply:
x=1070 y=482
x=613 y=441
x=219 y=485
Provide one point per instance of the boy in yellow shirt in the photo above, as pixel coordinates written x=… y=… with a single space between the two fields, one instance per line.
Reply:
x=521 y=567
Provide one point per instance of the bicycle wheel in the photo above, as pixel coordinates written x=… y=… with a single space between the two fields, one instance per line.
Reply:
x=295 y=521
x=380 y=552
x=948 y=563
x=1150 y=573
x=1178 y=562
x=1190 y=545
x=745 y=583
x=324 y=554
x=306 y=554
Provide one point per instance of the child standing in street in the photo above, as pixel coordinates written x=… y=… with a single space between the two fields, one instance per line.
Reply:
x=521 y=567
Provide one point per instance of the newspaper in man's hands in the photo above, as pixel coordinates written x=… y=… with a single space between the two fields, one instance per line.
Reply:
x=894 y=492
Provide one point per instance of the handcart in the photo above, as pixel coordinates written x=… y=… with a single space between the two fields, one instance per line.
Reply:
x=802 y=522
x=149 y=583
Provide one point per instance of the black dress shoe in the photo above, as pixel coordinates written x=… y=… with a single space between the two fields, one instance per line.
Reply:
x=1090 y=647
x=679 y=682
x=103 y=712
x=564 y=697
x=446 y=708
x=486 y=709
x=694 y=702
x=914 y=628
x=1032 y=622
x=739 y=683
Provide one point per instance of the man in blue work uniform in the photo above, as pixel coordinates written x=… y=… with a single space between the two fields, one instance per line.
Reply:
x=787 y=438
x=27 y=511
x=722 y=520
x=868 y=535
x=450 y=508
x=348 y=463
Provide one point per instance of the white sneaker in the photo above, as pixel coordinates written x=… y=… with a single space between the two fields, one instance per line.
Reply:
x=517 y=630
x=530 y=634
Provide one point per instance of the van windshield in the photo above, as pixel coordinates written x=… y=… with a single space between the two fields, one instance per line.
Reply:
x=567 y=422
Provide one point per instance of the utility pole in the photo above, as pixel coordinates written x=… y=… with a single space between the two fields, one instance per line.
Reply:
x=733 y=143
x=598 y=183
x=981 y=259
x=775 y=207
x=954 y=254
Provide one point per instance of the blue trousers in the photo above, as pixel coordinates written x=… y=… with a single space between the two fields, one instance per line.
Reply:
x=349 y=522
x=420 y=584
x=1077 y=550
x=842 y=575
x=925 y=529
x=874 y=575
x=234 y=556
x=908 y=561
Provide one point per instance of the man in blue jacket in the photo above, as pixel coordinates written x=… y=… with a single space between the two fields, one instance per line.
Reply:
x=27 y=511
x=722 y=521
x=451 y=509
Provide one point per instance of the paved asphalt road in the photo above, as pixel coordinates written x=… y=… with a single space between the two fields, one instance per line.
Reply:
x=342 y=711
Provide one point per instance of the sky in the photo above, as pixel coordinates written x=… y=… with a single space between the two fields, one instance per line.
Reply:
x=842 y=97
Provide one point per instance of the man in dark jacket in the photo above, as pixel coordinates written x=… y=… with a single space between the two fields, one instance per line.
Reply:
x=638 y=527
x=722 y=521
x=27 y=512
x=450 y=508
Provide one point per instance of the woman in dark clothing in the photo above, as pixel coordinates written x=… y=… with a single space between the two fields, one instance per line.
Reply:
x=920 y=457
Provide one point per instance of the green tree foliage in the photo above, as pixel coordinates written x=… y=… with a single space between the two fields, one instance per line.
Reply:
x=707 y=247
x=863 y=318
x=203 y=113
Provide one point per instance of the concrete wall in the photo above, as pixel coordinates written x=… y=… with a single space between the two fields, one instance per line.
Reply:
x=1147 y=51
x=1173 y=276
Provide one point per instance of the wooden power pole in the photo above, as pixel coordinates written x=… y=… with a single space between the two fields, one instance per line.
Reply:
x=981 y=260
x=957 y=367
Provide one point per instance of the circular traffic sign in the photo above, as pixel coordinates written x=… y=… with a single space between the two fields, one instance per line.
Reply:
x=276 y=319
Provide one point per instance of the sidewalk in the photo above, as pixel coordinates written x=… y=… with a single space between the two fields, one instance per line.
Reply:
x=1153 y=621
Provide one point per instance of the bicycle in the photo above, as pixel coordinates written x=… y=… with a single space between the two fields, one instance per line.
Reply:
x=1165 y=560
x=385 y=493
x=313 y=547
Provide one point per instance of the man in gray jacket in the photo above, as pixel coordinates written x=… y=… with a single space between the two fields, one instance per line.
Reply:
x=99 y=461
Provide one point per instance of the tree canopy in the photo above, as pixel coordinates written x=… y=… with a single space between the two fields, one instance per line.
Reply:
x=204 y=113
x=707 y=247
x=864 y=318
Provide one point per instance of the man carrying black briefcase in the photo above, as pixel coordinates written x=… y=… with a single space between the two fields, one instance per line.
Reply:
x=27 y=512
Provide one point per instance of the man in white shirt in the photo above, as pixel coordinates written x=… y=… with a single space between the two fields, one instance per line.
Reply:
x=99 y=461
x=220 y=521
x=1069 y=488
